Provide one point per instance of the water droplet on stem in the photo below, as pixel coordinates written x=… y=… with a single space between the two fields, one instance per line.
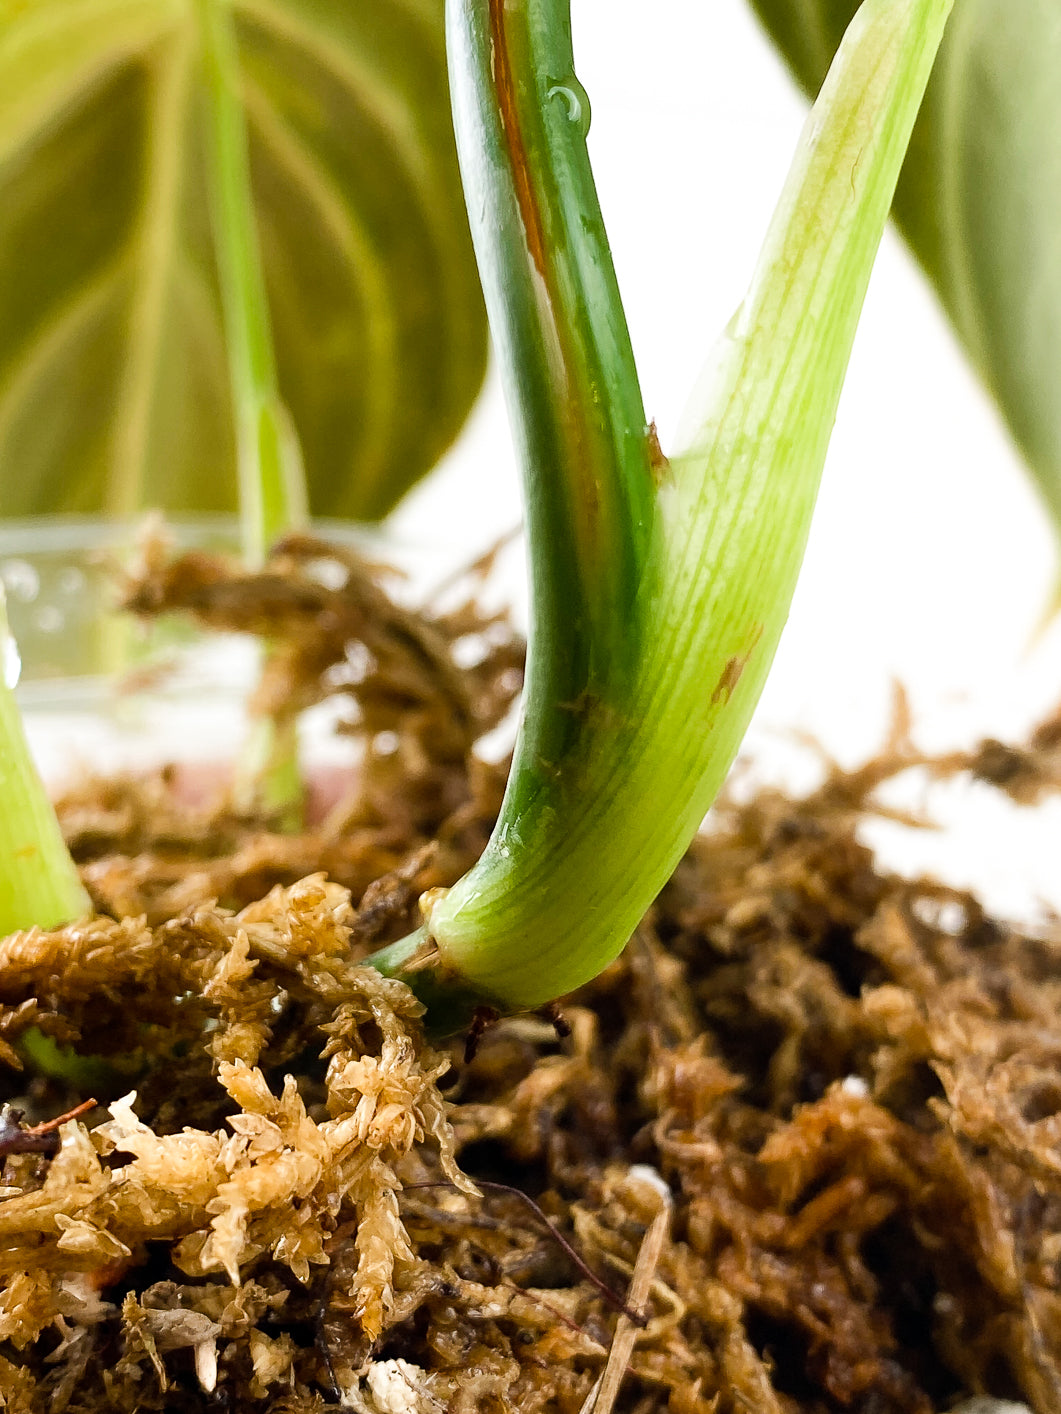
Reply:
x=575 y=99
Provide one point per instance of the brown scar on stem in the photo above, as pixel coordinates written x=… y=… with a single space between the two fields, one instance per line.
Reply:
x=731 y=673
x=506 y=101
x=593 y=709
x=549 y=768
x=582 y=705
x=659 y=463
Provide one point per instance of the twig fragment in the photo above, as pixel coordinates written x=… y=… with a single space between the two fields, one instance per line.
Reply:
x=601 y=1398
x=16 y=1138
x=616 y=1302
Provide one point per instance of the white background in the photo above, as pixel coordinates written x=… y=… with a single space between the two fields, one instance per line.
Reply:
x=930 y=561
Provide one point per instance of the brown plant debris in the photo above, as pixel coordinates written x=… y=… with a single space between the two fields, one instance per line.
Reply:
x=848 y=1084
x=420 y=690
x=334 y=630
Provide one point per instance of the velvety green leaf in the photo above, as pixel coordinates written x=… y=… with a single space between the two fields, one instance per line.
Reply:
x=980 y=196
x=114 y=389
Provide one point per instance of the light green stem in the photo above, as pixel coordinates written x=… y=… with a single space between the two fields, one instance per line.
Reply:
x=272 y=483
x=268 y=780
x=39 y=884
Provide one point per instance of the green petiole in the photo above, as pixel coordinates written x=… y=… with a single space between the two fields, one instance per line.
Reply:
x=272 y=483
x=660 y=588
x=39 y=884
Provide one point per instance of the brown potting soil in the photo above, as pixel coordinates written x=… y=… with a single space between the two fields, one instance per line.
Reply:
x=797 y=1152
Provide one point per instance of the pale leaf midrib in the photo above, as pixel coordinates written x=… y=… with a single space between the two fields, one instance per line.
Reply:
x=28 y=115
x=51 y=335
x=157 y=242
x=341 y=221
x=412 y=155
x=372 y=93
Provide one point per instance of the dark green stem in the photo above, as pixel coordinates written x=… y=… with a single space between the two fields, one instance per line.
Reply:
x=584 y=447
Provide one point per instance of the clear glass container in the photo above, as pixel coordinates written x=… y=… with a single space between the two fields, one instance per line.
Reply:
x=101 y=691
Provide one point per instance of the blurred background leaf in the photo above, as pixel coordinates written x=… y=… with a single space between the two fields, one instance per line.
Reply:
x=114 y=391
x=980 y=196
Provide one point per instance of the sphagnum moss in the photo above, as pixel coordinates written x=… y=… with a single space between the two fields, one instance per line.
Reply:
x=846 y=1080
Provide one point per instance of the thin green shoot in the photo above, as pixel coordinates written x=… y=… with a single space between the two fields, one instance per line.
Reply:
x=272 y=483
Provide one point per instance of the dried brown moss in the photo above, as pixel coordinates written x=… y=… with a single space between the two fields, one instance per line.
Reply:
x=849 y=1082
x=419 y=688
x=334 y=630
x=266 y=1189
